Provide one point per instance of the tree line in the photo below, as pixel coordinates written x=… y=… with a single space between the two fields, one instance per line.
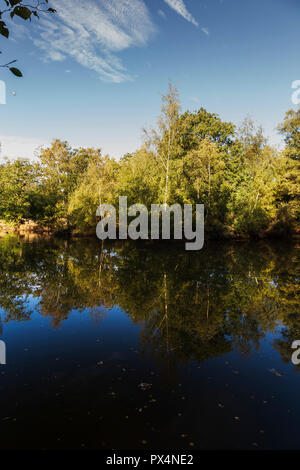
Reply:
x=248 y=187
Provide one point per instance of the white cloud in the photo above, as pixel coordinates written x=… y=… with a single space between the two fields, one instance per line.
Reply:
x=93 y=32
x=181 y=9
x=19 y=147
x=162 y=14
x=205 y=31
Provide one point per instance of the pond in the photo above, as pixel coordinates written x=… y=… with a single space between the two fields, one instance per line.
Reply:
x=147 y=346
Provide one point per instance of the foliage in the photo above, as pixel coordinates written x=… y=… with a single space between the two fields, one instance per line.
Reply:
x=249 y=188
x=16 y=183
x=23 y=10
x=290 y=129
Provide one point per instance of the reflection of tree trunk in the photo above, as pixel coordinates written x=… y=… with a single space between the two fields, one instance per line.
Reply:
x=197 y=293
x=166 y=310
x=207 y=306
x=100 y=264
x=165 y=317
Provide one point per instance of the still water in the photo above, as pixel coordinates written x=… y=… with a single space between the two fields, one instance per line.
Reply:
x=147 y=346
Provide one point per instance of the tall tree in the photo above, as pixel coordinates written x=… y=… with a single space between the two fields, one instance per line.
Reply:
x=290 y=129
x=164 y=138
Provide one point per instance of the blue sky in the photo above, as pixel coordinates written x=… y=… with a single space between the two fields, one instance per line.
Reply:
x=94 y=72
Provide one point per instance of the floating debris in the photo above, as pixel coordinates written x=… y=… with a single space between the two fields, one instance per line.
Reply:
x=275 y=372
x=144 y=386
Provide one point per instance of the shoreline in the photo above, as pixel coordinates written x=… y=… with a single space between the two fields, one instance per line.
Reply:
x=31 y=229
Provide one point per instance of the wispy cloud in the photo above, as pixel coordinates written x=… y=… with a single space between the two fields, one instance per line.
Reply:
x=181 y=9
x=93 y=32
x=205 y=31
x=162 y=14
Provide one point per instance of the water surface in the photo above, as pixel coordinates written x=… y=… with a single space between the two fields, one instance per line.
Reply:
x=208 y=332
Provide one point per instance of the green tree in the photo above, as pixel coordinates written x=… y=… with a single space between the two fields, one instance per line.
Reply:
x=62 y=167
x=97 y=186
x=163 y=139
x=17 y=180
x=290 y=129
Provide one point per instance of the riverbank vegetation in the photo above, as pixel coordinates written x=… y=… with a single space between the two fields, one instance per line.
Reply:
x=248 y=187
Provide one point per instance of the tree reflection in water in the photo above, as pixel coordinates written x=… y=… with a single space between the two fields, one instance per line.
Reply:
x=190 y=305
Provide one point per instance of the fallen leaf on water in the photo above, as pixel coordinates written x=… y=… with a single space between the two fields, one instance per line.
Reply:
x=144 y=386
x=275 y=372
